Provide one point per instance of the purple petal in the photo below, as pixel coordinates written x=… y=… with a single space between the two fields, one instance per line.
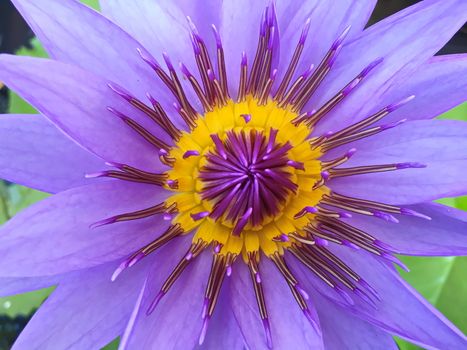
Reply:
x=223 y=328
x=176 y=321
x=53 y=236
x=162 y=26
x=405 y=41
x=76 y=101
x=444 y=235
x=402 y=310
x=440 y=145
x=34 y=153
x=289 y=326
x=431 y=97
x=73 y=33
x=342 y=330
x=327 y=21
x=86 y=310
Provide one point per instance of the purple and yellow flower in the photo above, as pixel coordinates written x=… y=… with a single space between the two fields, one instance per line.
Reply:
x=234 y=174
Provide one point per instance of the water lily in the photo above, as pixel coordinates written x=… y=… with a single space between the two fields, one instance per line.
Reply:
x=234 y=174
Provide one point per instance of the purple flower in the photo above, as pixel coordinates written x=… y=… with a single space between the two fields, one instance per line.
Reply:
x=247 y=183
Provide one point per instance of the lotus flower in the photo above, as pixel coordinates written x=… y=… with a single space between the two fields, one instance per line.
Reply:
x=234 y=174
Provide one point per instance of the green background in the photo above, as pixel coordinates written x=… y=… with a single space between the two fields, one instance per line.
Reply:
x=441 y=280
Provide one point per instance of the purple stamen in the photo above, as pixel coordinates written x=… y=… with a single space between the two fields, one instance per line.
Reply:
x=138 y=257
x=393 y=125
x=217 y=36
x=370 y=67
x=350 y=87
x=406 y=211
x=219 y=145
x=302 y=292
x=321 y=241
x=190 y=153
x=168 y=62
x=385 y=216
x=410 y=165
x=258 y=277
x=204 y=329
x=246 y=117
x=347 y=298
x=340 y=38
x=155 y=302
x=334 y=55
x=267 y=330
x=242 y=222
x=393 y=107
x=150 y=61
x=310 y=319
x=199 y=216
x=296 y=165
x=104 y=222
x=305 y=31
x=119 y=270
x=119 y=91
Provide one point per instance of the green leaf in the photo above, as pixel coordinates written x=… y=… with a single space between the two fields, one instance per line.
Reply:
x=13 y=198
x=458 y=113
x=92 y=3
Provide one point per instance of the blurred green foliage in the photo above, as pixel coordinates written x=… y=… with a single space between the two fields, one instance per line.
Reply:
x=440 y=280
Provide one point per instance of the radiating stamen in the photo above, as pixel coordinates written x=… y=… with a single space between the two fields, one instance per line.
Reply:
x=264 y=93
x=146 y=134
x=334 y=101
x=218 y=93
x=180 y=94
x=197 y=88
x=293 y=62
x=242 y=89
x=334 y=173
x=139 y=214
x=318 y=76
x=172 y=232
x=221 y=62
x=159 y=71
x=259 y=293
x=219 y=269
x=193 y=252
x=336 y=139
x=296 y=86
x=327 y=144
x=154 y=179
x=339 y=161
x=163 y=120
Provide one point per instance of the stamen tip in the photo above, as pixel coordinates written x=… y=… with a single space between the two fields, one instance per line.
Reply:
x=406 y=211
x=119 y=270
x=138 y=257
x=267 y=330
x=246 y=117
x=95 y=175
x=119 y=91
x=102 y=223
x=155 y=302
x=414 y=165
x=204 y=329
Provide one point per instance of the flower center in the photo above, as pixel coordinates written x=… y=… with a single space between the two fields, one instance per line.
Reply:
x=244 y=171
x=246 y=178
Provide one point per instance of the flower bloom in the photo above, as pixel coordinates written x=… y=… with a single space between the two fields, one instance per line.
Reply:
x=251 y=190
